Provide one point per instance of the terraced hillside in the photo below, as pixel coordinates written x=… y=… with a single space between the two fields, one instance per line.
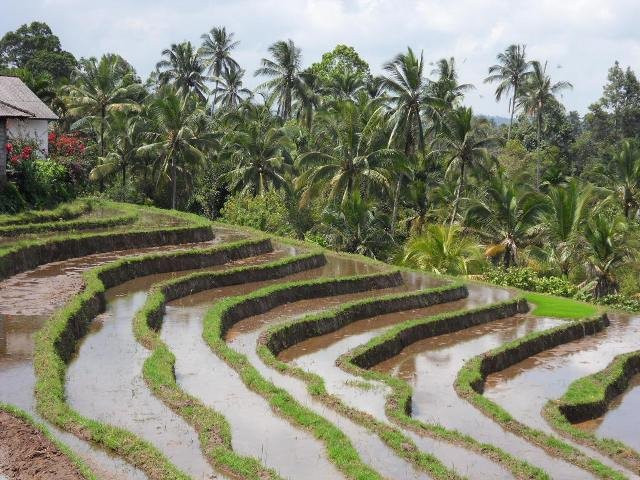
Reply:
x=140 y=343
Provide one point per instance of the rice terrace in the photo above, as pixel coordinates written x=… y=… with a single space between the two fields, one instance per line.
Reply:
x=324 y=269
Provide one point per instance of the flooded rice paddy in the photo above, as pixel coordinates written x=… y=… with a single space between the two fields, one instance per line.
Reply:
x=104 y=380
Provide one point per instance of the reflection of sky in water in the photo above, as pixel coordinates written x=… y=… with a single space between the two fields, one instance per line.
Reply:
x=524 y=388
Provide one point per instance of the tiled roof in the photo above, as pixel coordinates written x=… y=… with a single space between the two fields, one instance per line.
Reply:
x=18 y=101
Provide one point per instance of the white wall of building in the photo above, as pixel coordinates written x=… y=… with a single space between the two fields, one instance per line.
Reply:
x=37 y=130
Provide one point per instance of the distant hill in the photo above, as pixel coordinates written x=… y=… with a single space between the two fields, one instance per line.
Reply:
x=498 y=120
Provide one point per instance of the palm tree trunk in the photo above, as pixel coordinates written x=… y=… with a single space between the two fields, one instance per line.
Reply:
x=538 y=160
x=103 y=114
x=173 y=183
x=458 y=193
x=215 y=96
x=124 y=173
x=396 y=201
x=512 y=107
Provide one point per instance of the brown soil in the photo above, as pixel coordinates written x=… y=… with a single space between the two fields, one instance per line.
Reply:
x=27 y=454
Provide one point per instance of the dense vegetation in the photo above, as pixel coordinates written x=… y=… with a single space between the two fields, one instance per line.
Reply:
x=392 y=166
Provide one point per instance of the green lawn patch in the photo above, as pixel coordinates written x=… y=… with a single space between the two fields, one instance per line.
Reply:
x=559 y=307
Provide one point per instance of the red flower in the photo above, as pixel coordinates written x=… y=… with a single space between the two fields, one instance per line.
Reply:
x=9 y=147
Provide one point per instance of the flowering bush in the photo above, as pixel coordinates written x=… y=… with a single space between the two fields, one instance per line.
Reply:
x=65 y=145
x=19 y=150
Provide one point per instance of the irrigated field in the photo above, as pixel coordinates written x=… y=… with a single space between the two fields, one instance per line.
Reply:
x=140 y=343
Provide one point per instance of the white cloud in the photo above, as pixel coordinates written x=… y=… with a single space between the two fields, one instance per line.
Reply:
x=580 y=38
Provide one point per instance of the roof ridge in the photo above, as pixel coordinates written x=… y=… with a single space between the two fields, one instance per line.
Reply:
x=17 y=108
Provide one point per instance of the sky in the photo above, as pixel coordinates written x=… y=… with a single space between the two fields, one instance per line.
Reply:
x=580 y=39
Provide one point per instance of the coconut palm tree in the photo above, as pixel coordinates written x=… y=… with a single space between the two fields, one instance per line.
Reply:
x=183 y=68
x=446 y=86
x=176 y=134
x=215 y=53
x=99 y=87
x=408 y=97
x=125 y=134
x=229 y=87
x=284 y=71
x=259 y=149
x=605 y=237
x=357 y=226
x=510 y=73
x=505 y=216
x=536 y=94
x=441 y=249
x=463 y=146
x=627 y=163
x=356 y=160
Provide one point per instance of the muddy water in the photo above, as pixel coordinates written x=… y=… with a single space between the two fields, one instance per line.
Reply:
x=26 y=300
x=243 y=338
x=524 y=388
x=104 y=381
x=622 y=421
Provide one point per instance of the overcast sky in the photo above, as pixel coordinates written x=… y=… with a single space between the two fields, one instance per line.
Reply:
x=580 y=38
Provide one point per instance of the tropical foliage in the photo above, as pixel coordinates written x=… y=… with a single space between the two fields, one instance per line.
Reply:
x=394 y=166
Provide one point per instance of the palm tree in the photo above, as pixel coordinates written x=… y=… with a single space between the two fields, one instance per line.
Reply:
x=259 y=149
x=356 y=226
x=99 y=87
x=446 y=86
x=183 y=68
x=355 y=162
x=229 y=86
x=537 y=93
x=605 y=237
x=407 y=87
x=510 y=73
x=562 y=221
x=215 y=52
x=125 y=134
x=284 y=70
x=441 y=249
x=176 y=134
x=627 y=163
x=505 y=217
x=464 y=146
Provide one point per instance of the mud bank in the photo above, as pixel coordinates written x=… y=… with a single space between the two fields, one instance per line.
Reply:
x=286 y=335
x=250 y=306
x=28 y=452
x=590 y=397
x=32 y=254
x=394 y=341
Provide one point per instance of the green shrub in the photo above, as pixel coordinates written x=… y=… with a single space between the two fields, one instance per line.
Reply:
x=266 y=212
x=43 y=182
x=526 y=278
x=621 y=302
x=10 y=199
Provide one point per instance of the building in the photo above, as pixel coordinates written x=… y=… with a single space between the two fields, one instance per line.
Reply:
x=22 y=115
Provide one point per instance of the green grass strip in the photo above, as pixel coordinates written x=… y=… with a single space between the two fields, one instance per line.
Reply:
x=589 y=397
x=470 y=384
x=398 y=403
x=57 y=340
x=231 y=310
x=65 y=211
x=559 y=307
x=212 y=427
x=82 y=467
